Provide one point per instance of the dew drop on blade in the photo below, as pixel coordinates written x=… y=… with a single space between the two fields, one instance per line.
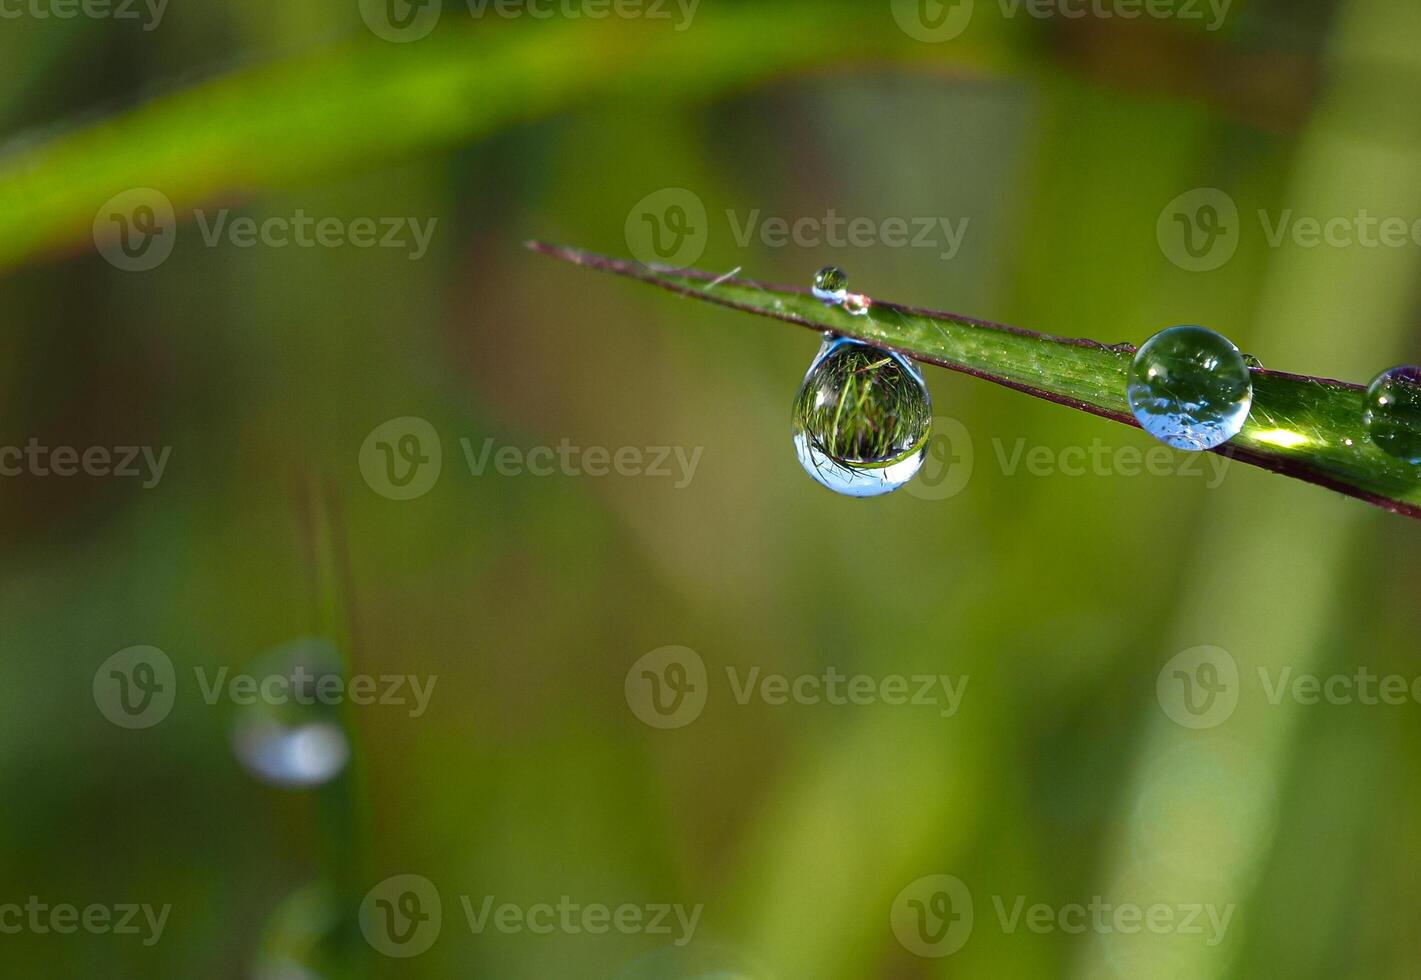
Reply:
x=291 y=736
x=831 y=285
x=1392 y=412
x=1190 y=388
x=861 y=419
x=856 y=304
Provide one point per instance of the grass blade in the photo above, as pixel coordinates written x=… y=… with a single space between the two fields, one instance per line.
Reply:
x=1303 y=427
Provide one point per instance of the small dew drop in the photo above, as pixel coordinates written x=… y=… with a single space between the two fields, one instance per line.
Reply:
x=1190 y=388
x=861 y=419
x=856 y=304
x=1392 y=412
x=1254 y=364
x=831 y=285
x=291 y=736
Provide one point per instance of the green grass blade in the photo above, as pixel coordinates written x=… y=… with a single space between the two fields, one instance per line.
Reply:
x=1303 y=427
x=365 y=101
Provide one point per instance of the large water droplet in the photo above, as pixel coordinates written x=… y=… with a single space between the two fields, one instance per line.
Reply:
x=1392 y=412
x=1190 y=388
x=831 y=285
x=861 y=419
x=292 y=736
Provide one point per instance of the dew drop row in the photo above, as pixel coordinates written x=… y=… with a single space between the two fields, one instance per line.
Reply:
x=863 y=415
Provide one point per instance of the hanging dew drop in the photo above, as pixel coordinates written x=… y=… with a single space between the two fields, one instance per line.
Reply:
x=1392 y=412
x=831 y=284
x=861 y=419
x=295 y=738
x=1190 y=388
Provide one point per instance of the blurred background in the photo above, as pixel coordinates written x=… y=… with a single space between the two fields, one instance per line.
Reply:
x=266 y=302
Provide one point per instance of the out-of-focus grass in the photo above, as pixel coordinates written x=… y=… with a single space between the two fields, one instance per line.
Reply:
x=529 y=779
x=365 y=102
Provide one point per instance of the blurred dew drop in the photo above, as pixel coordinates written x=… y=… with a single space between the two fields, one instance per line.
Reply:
x=300 y=940
x=293 y=738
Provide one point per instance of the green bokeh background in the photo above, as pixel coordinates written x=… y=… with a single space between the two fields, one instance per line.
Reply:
x=1060 y=597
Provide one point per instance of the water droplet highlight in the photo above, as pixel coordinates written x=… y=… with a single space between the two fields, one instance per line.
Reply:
x=861 y=419
x=1392 y=412
x=831 y=284
x=292 y=736
x=1190 y=388
x=856 y=304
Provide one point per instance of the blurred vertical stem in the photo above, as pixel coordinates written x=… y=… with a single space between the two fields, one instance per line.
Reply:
x=341 y=804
